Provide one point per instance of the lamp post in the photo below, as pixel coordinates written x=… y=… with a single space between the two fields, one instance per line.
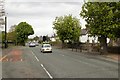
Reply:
x=6 y=31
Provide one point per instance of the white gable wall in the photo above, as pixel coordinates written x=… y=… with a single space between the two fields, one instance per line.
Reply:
x=84 y=39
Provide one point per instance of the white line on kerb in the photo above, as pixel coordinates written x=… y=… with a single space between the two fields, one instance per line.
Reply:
x=35 y=56
x=46 y=71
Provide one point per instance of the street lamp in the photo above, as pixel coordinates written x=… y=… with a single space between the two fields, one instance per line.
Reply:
x=6 y=31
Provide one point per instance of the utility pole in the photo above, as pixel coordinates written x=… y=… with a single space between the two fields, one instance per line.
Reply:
x=5 y=31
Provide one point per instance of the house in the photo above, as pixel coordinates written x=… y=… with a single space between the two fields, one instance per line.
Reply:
x=53 y=39
x=85 y=37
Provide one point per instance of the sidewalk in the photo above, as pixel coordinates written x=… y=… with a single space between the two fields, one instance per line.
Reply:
x=112 y=57
x=106 y=57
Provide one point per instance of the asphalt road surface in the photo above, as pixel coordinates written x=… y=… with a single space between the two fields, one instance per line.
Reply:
x=29 y=62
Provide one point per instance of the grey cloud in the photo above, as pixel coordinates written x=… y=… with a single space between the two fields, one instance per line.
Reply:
x=40 y=14
x=38 y=9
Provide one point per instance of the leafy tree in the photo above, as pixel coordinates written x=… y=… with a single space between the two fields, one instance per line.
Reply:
x=44 y=38
x=12 y=28
x=23 y=30
x=36 y=38
x=2 y=35
x=11 y=36
x=68 y=28
x=102 y=20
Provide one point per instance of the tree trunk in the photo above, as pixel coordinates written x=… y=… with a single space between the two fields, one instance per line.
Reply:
x=103 y=44
x=62 y=44
x=24 y=43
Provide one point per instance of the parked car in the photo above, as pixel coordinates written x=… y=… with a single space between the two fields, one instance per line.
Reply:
x=36 y=43
x=46 y=48
x=32 y=44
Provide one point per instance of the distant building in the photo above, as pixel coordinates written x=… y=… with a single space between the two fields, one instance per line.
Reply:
x=53 y=39
x=41 y=38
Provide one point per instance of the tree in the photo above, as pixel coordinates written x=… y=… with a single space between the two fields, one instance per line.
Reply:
x=102 y=20
x=68 y=28
x=36 y=38
x=23 y=30
x=44 y=38
x=12 y=28
x=11 y=36
x=2 y=36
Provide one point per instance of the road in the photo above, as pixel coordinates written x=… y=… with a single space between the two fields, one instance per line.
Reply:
x=29 y=62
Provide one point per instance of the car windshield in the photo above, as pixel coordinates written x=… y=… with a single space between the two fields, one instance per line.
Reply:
x=46 y=45
x=31 y=43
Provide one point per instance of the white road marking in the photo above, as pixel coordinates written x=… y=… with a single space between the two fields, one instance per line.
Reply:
x=86 y=63
x=21 y=60
x=61 y=55
x=35 y=57
x=7 y=59
x=3 y=57
x=33 y=53
x=46 y=71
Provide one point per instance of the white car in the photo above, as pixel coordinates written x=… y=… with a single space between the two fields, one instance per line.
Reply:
x=46 y=48
x=36 y=43
x=32 y=44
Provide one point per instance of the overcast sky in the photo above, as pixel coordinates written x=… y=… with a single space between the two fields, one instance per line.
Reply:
x=41 y=14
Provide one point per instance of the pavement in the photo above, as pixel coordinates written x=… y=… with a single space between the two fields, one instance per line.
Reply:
x=111 y=57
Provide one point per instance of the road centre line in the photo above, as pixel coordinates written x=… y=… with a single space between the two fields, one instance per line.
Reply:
x=37 y=59
x=43 y=66
x=35 y=56
x=33 y=53
x=46 y=71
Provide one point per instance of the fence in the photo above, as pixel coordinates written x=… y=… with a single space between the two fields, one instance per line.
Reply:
x=114 y=49
x=88 y=47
